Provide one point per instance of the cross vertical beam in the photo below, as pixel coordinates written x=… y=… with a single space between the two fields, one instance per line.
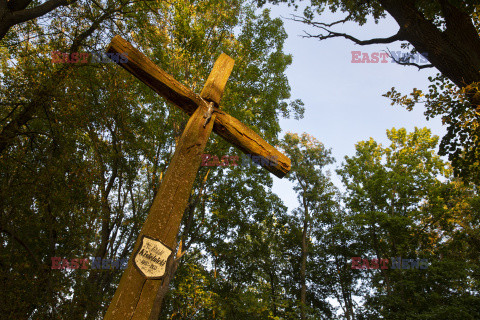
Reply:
x=135 y=295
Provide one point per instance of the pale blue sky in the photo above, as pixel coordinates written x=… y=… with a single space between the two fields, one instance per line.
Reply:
x=343 y=100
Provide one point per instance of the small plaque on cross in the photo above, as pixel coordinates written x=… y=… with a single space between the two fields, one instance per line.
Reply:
x=151 y=258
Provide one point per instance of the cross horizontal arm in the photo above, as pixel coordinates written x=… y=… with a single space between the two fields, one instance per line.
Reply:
x=229 y=128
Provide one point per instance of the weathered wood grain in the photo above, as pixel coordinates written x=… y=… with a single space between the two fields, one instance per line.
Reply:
x=229 y=128
x=245 y=139
x=154 y=77
x=215 y=84
x=136 y=297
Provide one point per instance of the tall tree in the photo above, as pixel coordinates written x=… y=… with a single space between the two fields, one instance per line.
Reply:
x=315 y=194
x=399 y=202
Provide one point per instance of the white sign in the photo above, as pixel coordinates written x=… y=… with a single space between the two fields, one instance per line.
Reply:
x=151 y=258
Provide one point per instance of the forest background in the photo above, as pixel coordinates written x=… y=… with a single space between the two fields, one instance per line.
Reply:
x=83 y=147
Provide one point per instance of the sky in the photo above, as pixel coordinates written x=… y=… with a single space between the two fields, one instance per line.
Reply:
x=343 y=100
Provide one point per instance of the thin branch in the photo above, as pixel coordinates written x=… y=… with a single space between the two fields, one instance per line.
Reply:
x=317 y=24
x=28 y=39
x=425 y=66
x=399 y=36
x=30 y=253
x=38 y=11
x=403 y=63
x=12 y=111
x=331 y=34
x=86 y=33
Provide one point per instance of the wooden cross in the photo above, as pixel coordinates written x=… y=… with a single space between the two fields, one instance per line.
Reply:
x=137 y=292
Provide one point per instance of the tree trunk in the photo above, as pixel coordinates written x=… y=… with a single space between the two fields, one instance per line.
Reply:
x=303 y=267
x=272 y=288
x=454 y=51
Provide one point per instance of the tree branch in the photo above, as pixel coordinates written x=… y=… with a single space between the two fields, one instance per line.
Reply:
x=318 y=24
x=15 y=5
x=331 y=34
x=85 y=34
x=30 y=253
x=9 y=131
x=404 y=63
x=399 y=36
x=38 y=11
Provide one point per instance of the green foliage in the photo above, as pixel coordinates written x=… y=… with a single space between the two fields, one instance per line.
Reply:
x=403 y=203
x=81 y=169
x=90 y=144
x=191 y=298
x=449 y=102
